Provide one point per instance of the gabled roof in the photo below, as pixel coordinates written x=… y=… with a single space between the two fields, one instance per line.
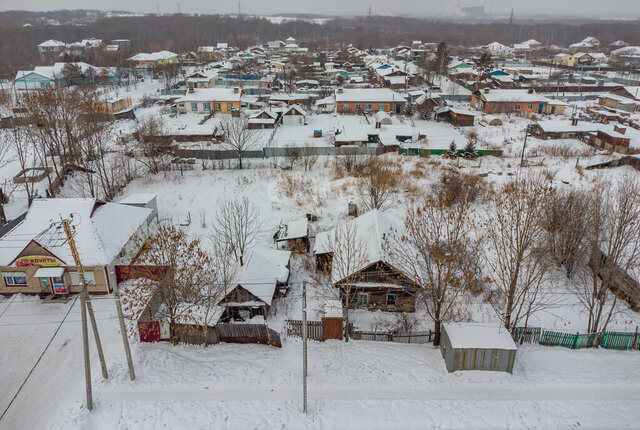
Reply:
x=262 y=270
x=212 y=94
x=153 y=56
x=101 y=229
x=371 y=229
x=372 y=95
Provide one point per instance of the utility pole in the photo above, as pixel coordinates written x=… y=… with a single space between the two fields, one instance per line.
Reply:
x=526 y=133
x=304 y=346
x=123 y=331
x=85 y=305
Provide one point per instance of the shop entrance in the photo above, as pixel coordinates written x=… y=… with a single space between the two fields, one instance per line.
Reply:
x=52 y=280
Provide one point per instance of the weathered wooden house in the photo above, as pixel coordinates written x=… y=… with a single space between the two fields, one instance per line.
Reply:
x=262 y=276
x=374 y=283
x=455 y=116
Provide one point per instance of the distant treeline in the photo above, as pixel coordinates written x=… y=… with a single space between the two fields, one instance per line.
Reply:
x=183 y=33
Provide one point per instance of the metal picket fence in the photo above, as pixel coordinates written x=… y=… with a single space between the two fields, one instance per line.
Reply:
x=610 y=339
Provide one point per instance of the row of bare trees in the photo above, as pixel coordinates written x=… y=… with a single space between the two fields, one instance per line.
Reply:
x=511 y=251
x=64 y=130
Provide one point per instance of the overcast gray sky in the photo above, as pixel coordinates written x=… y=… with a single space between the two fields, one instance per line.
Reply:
x=594 y=8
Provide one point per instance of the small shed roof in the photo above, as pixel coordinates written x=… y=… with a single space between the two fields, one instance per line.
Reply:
x=479 y=336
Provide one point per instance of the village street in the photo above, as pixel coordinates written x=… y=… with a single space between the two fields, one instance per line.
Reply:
x=365 y=384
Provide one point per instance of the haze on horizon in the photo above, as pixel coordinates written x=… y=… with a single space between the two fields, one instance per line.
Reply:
x=423 y=8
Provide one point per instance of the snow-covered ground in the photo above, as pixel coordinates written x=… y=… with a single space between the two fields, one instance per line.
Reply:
x=359 y=385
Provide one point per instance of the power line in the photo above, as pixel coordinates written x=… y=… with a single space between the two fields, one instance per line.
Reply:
x=39 y=359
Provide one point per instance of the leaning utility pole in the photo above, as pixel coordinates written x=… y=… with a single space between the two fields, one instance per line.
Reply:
x=304 y=346
x=85 y=305
x=526 y=134
x=123 y=331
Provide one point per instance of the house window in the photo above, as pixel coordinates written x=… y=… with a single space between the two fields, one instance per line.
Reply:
x=530 y=107
x=345 y=106
x=363 y=299
x=229 y=106
x=207 y=107
x=381 y=106
x=391 y=299
x=368 y=107
x=194 y=107
x=495 y=108
x=216 y=106
x=89 y=277
x=518 y=107
x=358 y=106
x=15 y=279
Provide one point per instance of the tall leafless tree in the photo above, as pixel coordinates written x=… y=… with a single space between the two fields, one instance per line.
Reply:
x=238 y=135
x=438 y=250
x=515 y=253
x=237 y=225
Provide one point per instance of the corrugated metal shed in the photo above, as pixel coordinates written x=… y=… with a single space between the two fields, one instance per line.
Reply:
x=477 y=347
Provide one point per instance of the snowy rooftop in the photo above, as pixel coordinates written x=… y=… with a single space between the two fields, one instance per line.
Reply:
x=212 y=94
x=101 y=229
x=512 y=96
x=368 y=95
x=480 y=336
x=295 y=230
x=153 y=56
x=262 y=269
x=371 y=229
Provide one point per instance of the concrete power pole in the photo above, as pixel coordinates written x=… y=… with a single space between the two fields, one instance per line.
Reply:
x=304 y=346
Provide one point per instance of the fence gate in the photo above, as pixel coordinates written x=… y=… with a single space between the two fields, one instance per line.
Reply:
x=315 y=329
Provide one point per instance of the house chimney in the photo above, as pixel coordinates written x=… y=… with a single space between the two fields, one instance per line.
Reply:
x=353 y=209
x=621 y=130
x=486 y=90
x=339 y=90
x=574 y=121
x=530 y=91
x=236 y=90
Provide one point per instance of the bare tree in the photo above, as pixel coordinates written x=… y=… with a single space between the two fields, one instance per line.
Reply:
x=515 y=253
x=185 y=269
x=237 y=225
x=377 y=189
x=613 y=241
x=148 y=151
x=566 y=224
x=438 y=251
x=308 y=158
x=238 y=135
x=348 y=250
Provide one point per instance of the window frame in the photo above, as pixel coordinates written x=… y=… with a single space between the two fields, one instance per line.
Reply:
x=12 y=276
x=206 y=106
x=217 y=106
x=362 y=302
x=381 y=107
x=194 y=107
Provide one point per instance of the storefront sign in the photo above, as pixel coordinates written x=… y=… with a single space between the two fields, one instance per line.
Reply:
x=38 y=260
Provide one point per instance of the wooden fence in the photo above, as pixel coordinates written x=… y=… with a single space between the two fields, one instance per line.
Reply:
x=315 y=329
x=420 y=338
x=229 y=333
x=610 y=339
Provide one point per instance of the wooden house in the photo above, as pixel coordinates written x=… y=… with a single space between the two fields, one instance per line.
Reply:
x=455 y=116
x=374 y=283
x=262 y=275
